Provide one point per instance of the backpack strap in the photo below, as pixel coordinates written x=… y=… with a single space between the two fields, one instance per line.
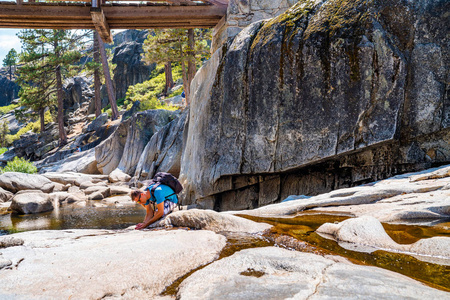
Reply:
x=152 y=191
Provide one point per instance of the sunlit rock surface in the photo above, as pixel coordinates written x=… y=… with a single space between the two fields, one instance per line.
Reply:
x=31 y=203
x=414 y=196
x=15 y=181
x=214 y=221
x=275 y=273
x=92 y=264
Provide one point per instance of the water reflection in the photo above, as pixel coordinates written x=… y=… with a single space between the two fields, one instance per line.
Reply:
x=303 y=227
x=90 y=216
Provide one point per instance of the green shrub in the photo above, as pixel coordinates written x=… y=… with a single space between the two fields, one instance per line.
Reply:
x=33 y=126
x=147 y=92
x=6 y=109
x=3 y=150
x=19 y=165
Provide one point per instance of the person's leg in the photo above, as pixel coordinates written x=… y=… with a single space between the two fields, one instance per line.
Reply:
x=169 y=206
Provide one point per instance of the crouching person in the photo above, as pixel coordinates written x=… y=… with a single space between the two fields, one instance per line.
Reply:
x=158 y=202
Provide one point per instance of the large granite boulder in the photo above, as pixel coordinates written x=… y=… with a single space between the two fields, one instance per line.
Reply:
x=32 y=203
x=15 y=181
x=78 y=162
x=214 y=221
x=95 y=264
x=73 y=178
x=164 y=150
x=5 y=196
x=276 y=273
x=124 y=147
x=98 y=122
x=78 y=90
x=130 y=69
x=329 y=94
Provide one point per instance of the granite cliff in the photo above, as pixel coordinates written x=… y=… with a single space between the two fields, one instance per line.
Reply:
x=329 y=94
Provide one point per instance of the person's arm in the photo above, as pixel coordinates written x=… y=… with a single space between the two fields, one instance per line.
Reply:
x=158 y=215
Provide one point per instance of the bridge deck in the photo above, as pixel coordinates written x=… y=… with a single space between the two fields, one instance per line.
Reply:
x=84 y=14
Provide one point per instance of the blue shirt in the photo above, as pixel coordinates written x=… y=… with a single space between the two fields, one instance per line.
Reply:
x=162 y=193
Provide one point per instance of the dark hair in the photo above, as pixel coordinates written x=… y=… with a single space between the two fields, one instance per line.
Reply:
x=135 y=193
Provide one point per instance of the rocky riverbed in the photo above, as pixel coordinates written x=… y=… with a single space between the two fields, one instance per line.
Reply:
x=202 y=254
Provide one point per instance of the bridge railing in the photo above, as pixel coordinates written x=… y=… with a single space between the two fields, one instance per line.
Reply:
x=102 y=2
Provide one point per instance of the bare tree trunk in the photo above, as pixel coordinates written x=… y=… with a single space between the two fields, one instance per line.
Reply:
x=10 y=72
x=42 y=118
x=109 y=86
x=169 y=78
x=192 y=69
x=97 y=84
x=186 y=84
x=62 y=131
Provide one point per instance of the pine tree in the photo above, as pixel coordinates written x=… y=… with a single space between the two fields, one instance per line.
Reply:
x=4 y=130
x=47 y=57
x=180 y=46
x=10 y=60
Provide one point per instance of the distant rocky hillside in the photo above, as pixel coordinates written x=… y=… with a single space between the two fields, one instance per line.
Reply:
x=9 y=90
x=130 y=69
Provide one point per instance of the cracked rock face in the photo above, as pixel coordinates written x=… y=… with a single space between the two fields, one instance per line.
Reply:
x=124 y=147
x=275 y=273
x=353 y=88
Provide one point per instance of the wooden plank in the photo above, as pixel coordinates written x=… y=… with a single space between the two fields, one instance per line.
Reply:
x=184 y=12
x=58 y=16
x=99 y=20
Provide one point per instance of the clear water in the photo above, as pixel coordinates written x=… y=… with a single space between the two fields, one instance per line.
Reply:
x=90 y=216
x=294 y=233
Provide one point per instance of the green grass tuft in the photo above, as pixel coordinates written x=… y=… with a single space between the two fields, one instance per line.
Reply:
x=19 y=165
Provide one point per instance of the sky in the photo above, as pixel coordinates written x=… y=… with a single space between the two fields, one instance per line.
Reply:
x=8 y=40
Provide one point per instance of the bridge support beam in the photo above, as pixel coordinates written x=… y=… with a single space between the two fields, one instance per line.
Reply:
x=101 y=25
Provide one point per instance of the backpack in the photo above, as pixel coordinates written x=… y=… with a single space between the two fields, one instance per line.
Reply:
x=166 y=179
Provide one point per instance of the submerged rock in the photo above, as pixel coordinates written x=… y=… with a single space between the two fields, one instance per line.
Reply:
x=366 y=234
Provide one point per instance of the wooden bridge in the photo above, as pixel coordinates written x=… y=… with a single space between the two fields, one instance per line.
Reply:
x=104 y=15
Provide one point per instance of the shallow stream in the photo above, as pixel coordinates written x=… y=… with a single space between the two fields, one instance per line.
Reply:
x=296 y=233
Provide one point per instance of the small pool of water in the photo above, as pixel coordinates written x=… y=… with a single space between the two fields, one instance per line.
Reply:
x=74 y=217
x=302 y=229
